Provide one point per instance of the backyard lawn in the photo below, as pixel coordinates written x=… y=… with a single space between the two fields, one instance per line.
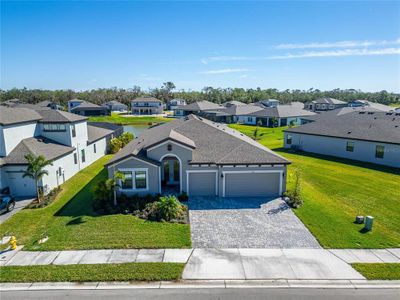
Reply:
x=71 y=223
x=118 y=119
x=336 y=190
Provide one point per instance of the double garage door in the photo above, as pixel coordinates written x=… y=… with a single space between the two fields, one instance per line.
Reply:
x=235 y=184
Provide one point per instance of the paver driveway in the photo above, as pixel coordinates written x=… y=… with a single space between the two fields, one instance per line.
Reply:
x=246 y=223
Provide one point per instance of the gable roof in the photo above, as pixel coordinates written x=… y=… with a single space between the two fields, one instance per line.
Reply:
x=146 y=99
x=58 y=116
x=200 y=106
x=114 y=102
x=85 y=105
x=367 y=126
x=212 y=143
x=233 y=102
x=36 y=146
x=9 y=116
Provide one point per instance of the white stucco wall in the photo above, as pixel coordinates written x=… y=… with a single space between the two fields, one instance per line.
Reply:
x=80 y=140
x=363 y=150
x=12 y=135
x=62 y=137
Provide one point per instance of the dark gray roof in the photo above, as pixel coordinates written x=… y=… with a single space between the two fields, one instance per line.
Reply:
x=284 y=111
x=200 y=106
x=96 y=133
x=9 y=116
x=146 y=99
x=58 y=116
x=36 y=146
x=233 y=102
x=213 y=143
x=367 y=126
x=114 y=102
x=88 y=106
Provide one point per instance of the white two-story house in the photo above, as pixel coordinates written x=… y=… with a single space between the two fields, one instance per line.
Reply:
x=64 y=138
x=147 y=106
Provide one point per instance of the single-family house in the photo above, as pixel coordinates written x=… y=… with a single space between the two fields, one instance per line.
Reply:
x=174 y=103
x=233 y=102
x=369 y=104
x=201 y=158
x=196 y=108
x=85 y=108
x=64 y=138
x=116 y=106
x=281 y=115
x=323 y=104
x=147 y=106
x=267 y=103
x=49 y=104
x=368 y=136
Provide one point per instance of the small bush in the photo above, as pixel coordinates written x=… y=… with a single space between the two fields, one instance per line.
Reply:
x=115 y=145
x=169 y=208
x=125 y=138
x=294 y=195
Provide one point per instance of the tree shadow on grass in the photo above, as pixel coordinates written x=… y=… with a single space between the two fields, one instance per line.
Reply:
x=355 y=163
x=76 y=221
x=82 y=203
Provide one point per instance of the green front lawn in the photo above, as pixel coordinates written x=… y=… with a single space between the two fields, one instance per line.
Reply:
x=71 y=223
x=336 y=190
x=137 y=120
x=97 y=272
x=379 y=271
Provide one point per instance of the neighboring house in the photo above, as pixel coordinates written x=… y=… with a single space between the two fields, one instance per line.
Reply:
x=88 y=109
x=64 y=138
x=323 y=104
x=116 y=106
x=233 y=113
x=174 y=103
x=147 y=106
x=49 y=104
x=267 y=103
x=281 y=115
x=201 y=158
x=196 y=108
x=73 y=103
x=233 y=102
x=361 y=135
x=369 y=104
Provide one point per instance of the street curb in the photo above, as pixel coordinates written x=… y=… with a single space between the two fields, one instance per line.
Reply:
x=199 y=284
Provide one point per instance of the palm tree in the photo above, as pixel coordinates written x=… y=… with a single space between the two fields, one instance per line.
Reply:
x=36 y=169
x=106 y=189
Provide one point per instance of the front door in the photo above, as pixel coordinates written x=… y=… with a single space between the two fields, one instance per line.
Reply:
x=171 y=171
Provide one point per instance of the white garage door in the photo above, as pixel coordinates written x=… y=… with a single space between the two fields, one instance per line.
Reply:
x=202 y=184
x=252 y=184
x=19 y=186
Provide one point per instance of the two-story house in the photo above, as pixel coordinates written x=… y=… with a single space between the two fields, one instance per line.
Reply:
x=85 y=108
x=174 y=103
x=64 y=138
x=147 y=106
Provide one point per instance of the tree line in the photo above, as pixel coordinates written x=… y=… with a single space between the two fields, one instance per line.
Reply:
x=217 y=95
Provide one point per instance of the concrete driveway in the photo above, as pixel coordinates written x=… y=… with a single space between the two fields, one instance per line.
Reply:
x=256 y=264
x=246 y=223
x=19 y=204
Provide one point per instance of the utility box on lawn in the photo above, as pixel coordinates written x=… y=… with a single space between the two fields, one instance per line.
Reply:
x=369 y=220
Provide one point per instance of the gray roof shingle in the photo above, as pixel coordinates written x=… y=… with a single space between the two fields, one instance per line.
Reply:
x=58 y=116
x=200 y=106
x=9 y=116
x=283 y=111
x=367 y=126
x=36 y=146
x=96 y=133
x=214 y=143
x=146 y=99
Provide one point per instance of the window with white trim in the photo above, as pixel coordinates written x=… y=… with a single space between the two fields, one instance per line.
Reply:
x=135 y=179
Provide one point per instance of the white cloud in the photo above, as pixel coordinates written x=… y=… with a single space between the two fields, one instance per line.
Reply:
x=224 y=71
x=227 y=58
x=340 y=53
x=340 y=44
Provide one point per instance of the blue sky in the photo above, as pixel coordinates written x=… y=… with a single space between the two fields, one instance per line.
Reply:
x=284 y=45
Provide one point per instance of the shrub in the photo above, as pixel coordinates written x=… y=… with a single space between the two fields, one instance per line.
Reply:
x=115 y=145
x=295 y=199
x=125 y=138
x=169 y=208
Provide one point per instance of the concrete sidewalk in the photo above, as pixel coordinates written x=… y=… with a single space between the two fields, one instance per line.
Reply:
x=223 y=264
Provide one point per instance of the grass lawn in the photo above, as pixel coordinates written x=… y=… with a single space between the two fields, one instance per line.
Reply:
x=71 y=223
x=117 y=119
x=379 y=271
x=336 y=190
x=97 y=272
